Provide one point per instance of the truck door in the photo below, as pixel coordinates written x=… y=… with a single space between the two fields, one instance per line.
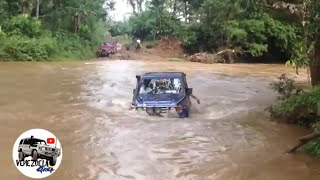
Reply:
x=26 y=147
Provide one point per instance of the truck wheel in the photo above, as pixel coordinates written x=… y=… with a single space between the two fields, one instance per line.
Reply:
x=34 y=155
x=53 y=161
x=185 y=113
x=21 y=156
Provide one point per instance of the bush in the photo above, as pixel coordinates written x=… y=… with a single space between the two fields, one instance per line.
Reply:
x=313 y=148
x=24 y=39
x=61 y=46
x=23 y=26
x=30 y=49
x=3 y=41
x=295 y=106
x=285 y=87
x=190 y=40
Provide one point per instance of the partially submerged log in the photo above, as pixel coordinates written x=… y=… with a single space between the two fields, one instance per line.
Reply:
x=198 y=57
x=304 y=140
x=227 y=55
x=223 y=56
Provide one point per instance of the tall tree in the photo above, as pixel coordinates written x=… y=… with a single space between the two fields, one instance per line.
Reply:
x=308 y=14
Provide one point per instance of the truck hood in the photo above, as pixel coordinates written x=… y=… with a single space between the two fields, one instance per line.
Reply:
x=159 y=99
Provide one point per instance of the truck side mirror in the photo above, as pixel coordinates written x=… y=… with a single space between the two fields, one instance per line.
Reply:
x=138 y=77
x=189 y=91
x=134 y=90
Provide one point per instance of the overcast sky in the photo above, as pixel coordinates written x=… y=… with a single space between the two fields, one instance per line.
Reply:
x=121 y=10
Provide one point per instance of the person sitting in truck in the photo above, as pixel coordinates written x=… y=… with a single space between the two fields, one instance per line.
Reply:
x=147 y=87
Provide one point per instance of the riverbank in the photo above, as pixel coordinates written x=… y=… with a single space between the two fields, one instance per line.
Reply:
x=244 y=69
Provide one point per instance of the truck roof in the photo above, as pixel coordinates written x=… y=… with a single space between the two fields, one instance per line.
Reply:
x=33 y=138
x=164 y=74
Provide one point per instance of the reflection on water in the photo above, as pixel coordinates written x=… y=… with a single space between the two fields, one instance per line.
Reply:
x=86 y=104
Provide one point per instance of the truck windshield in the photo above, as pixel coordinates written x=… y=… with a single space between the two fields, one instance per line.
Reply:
x=161 y=86
x=38 y=141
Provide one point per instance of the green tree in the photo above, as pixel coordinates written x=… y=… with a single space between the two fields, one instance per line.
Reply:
x=307 y=51
x=77 y=25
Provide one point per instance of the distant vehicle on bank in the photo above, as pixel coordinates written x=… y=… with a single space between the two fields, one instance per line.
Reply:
x=106 y=49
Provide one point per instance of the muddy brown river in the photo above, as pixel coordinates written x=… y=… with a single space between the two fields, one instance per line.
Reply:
x=86 y=104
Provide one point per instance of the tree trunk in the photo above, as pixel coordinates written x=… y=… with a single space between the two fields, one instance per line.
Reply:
x=77 y=18
x=224 y=37
x=315 y=66
x=24 y=6
x=175 y=7
x=133 y=5
x=38 y=9
x=186 y=11
x=139 y=4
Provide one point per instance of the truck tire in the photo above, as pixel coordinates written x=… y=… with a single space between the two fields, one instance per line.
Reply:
x=53 y=161
x=21 y=156
x=34 y=155
x=185 y=114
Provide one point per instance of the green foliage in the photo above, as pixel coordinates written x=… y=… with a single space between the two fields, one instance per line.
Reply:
x=29 y=49
x=22 y=26
x=190 y=37
x=153 y=24
x=142 y=25
x=73 y=46
x=218 y=24
x=70 y=29
x=119 y=28
x=299 y=107
x=3 y=42
x=295 y=106
x=313 y=148
x=285 y=87
x=300 y=56
x=257 y=36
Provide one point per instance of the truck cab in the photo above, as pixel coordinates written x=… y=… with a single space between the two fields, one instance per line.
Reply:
x=158 y=92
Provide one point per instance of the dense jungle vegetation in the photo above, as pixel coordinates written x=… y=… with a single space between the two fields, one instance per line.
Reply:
x=287 y=31
x=36 y=30
x=256 y=29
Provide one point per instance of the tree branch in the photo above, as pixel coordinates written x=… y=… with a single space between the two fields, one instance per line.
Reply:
x=304 y=140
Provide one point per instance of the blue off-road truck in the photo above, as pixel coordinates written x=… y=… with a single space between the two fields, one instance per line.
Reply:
x=160 y=92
